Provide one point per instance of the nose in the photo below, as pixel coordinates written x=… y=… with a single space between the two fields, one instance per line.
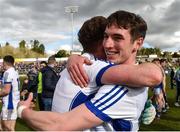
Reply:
x=108 y=43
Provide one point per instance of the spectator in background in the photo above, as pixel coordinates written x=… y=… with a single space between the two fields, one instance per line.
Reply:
x=24 y=89
x=39 y=91
x=172 y=77
x=177 y=78
x=10 y=93
x=33 y=81
x=49 y=80
x=158 y=97
x=163 y=65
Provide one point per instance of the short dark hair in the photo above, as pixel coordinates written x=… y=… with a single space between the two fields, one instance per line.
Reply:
x=43 y=62
x=51 y=59
x=156 y=59
x=92 y=32
x=9 y=60
x=162 y=60
x=127 y=20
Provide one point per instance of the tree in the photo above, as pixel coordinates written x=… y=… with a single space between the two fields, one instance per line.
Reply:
x=41 y=49
x=62 y=53
x=149 y=51
x=22 y=44
x=167 y=55
x=157 y=51
x=7 y=44
x=35 y=45
x=175 y=55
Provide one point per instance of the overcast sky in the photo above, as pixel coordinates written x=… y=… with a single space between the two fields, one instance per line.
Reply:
x=47 y=21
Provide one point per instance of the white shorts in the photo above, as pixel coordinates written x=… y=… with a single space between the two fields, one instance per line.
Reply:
x=9 y=114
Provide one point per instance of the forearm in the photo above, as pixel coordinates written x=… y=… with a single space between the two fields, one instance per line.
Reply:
x=79 y=118
x=42 y=120
x=147 y=74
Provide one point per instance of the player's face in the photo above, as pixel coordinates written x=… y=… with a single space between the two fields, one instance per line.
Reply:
x=118 y=45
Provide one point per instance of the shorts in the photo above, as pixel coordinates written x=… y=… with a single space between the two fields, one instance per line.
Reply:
x=157 y=91
x=9 y=114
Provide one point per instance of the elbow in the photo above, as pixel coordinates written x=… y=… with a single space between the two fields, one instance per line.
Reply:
x=156 y=80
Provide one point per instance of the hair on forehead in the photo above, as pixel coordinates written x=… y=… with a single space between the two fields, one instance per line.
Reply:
x=130 y=21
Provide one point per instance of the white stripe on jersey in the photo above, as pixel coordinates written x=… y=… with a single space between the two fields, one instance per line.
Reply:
x=110 y=98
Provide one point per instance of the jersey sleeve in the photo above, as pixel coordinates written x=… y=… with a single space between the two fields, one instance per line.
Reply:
x=7 y=78
x=96 y=71
x=113 y=102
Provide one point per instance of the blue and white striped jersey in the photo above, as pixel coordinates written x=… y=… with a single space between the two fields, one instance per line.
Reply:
x=11 y=77
x=119 y=107
x=67 y=95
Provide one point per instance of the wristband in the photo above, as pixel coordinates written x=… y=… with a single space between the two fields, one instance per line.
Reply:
x=20 y=109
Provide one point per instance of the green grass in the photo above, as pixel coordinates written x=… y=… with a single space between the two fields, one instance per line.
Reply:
x=170 y=121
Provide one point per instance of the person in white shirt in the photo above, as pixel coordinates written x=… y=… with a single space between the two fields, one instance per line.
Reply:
x=10 y=93
x=118 y=106
x=69 y=95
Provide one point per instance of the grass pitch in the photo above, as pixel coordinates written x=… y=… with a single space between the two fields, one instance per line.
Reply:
x=170 y=121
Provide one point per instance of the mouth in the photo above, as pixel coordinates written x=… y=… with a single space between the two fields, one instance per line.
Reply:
x=111 y=52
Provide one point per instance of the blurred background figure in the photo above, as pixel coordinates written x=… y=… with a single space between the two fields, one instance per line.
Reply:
x=33 y=82
x=158 y=97
x=24 y=89
x=10 y=94
x=163 y=65
x=39 y=91
x=172 y=73
x=177 y=79
x=49 y=81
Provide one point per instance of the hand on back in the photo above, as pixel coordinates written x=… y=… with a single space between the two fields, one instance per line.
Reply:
x=76 y=70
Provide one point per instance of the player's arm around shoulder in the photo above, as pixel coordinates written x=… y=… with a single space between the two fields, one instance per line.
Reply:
x=146 y=74
x=79 y=118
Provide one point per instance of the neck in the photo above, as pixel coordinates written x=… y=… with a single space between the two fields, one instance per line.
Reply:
x=131 y=60
x=7 y=67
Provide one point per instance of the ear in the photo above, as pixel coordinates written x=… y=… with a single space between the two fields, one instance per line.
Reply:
x=138 y=44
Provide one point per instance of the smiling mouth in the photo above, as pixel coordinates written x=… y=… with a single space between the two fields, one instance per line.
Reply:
x=111 y=52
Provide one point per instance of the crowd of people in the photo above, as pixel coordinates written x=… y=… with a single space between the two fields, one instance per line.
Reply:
x=99 y=89
x=24 y=68
x=159 y=97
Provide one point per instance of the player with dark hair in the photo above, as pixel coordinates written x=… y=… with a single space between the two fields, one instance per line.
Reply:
x=10 y=93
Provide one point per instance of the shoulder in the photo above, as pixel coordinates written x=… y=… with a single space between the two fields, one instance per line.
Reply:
x=9 y=71
x=100 y=63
